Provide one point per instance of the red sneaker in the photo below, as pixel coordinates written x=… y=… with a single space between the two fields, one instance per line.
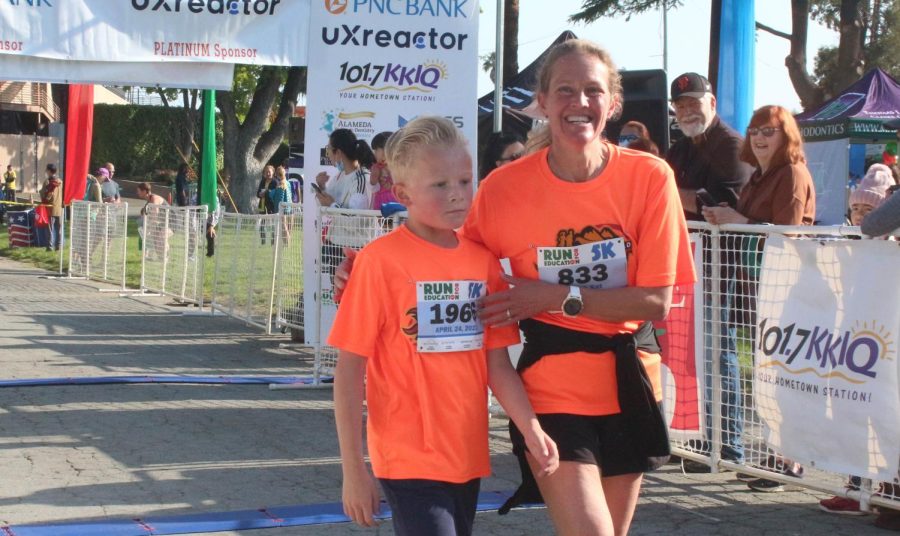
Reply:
x=841 y=505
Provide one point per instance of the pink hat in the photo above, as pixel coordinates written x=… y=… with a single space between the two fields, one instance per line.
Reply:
x=872 y=189
x=103 y=172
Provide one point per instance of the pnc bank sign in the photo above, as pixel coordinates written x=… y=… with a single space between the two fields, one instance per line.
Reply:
x=409 y=8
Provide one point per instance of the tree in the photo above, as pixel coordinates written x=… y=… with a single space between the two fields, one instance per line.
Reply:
x=869 y=37
x=190 y=104
x=255 y=116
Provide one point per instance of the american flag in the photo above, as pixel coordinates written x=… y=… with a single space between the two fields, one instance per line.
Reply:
x=21 y=229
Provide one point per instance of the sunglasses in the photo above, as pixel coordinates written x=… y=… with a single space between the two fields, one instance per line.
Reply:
x=766 y=131
x=626 y=139
x=514 y=156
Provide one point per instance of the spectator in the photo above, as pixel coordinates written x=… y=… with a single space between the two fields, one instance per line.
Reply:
x=92 y=190
x=501 y=149
x=633 y=131
x=108 y=187
x=886 y=218
x=381 y=174
x=708 y=159
x=870 y=193
x=265 y=202
x=181 y=182
x=111 y=168
x=780 y=192
x=347 y=189
x=709 y=156
x=644 y=144
x=152 y=235
x=9 y=184
x=351 y=157
x=278 y=190
x=52 y=195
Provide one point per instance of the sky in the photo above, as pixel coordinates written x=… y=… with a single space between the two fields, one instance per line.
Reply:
x=638 y=43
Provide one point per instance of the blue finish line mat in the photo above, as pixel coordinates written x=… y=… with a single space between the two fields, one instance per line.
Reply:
x=206 y=380
x=263 y=518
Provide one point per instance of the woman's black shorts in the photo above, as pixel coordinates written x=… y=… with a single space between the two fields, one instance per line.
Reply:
x=603 y=441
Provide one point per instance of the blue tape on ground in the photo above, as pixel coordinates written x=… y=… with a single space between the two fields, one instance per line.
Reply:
x=282 y=516
x=206 y=380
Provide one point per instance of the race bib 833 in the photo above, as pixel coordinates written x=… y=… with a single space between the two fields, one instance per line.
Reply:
x=596 y=265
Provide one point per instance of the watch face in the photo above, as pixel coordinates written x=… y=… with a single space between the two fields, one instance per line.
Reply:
x=572 y=306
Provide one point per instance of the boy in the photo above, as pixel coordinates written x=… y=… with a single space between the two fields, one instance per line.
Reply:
x=407 y=322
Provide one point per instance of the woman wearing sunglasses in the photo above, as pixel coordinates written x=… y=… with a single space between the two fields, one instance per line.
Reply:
x=781 y=190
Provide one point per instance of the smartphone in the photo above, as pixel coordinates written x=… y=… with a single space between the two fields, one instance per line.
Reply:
x=316 y=188
x=705 y=199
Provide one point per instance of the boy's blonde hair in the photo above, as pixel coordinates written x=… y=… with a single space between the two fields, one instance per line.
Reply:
x=404 y=146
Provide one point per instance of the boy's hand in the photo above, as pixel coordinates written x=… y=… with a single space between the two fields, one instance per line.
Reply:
x=342 y=273
x=543 y=449
x=360 y=498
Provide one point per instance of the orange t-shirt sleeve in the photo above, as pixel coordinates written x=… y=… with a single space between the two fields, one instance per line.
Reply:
x=360 y=316
x=663 y=249
x=507 y=335
x=475 y=224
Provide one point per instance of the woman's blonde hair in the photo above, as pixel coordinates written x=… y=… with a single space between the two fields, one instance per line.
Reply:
x=403 y=147
x=269 y=167
x=539 y=137
x=280 y=172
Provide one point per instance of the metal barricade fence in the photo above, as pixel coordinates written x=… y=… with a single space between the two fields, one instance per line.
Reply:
x=172 y=251
x=245 y=261
x=98 y=241
x=732 y=431
x=289 y=288
x=340 y=228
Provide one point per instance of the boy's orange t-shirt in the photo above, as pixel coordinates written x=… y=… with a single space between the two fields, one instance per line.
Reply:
x=523 y=206
x=427 y=412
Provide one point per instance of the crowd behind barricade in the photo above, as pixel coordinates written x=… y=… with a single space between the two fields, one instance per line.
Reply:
x=586 y=424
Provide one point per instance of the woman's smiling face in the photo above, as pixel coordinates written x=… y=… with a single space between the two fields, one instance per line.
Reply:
x=578 y=100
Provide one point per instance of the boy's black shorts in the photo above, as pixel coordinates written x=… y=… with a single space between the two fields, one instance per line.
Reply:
x=430 y=507
x=602 y=441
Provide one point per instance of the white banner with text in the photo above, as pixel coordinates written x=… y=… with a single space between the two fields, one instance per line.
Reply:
x=374 y=66
x=260 y=32
x=826 y=359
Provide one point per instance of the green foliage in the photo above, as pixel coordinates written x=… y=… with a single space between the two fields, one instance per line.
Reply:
x=243 y=88
x=139 y=140
x=592 y=10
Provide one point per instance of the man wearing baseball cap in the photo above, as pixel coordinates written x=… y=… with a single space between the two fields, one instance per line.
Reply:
x=708 y=157
x=708 y=171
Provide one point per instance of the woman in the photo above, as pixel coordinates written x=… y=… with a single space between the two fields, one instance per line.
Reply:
x=781 y=190
x=349 y=189
x=632 y=131
x=278 y=193
x=265 y=204
x=380 y=173
x=184 y=176
x=596 y=239
x=501 y=148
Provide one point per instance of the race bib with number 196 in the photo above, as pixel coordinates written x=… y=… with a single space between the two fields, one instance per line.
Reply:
x=596 y=265
x=448 y=316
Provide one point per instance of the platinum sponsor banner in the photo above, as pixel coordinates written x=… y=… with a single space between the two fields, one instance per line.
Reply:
x=181 y=75
x=373 y=66
x=825 y=380
x=262 y=32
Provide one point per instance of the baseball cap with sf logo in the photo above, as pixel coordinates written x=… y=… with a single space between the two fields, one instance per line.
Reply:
x=690 y=85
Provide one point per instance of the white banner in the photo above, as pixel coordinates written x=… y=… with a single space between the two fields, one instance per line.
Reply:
x=172 y=75
x=261 y=32
x=829 y=165
x=826 y=365
x=375 y=65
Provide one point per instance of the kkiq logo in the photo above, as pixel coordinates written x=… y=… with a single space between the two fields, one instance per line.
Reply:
x=410 y=8
x=853 y=355
x=215 y=7
x=336 y=7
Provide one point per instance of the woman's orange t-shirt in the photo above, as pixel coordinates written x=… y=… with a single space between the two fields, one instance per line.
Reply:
x=427 y=411
x=524 y=206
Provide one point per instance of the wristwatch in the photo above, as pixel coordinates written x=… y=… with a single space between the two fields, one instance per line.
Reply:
x=573 y=304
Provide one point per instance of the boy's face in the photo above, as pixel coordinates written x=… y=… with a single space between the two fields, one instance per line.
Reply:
x=437 y=188
x=858 y=212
